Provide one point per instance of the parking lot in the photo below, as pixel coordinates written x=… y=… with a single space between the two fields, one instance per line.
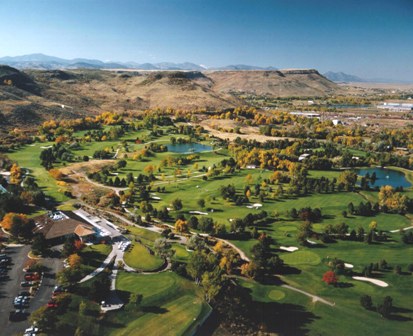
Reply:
x=10 y=288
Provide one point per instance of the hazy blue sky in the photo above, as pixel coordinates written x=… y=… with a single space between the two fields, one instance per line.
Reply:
x=369 y=38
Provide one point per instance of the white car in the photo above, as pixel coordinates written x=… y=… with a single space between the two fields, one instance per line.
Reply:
x=31 y=330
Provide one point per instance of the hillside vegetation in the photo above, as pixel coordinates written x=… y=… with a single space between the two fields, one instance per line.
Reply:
x=33 y=96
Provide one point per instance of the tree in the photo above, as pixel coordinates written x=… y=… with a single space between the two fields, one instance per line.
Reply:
x=82 y=308
x=198 y=264
x=15 y=174
x=249 y=269
x=163 y=248
x=348 y=178
x=386 y=307
x=68 y=247
x=43 y=318
x=201 y=203
x=39 y=245
x=373 y=225
x=69 y=276
x=135 y=301
x=196 y=243
x=212 y=283
x=366 y=302
x=19 y=225
x=11 y=218
x=78 y=244
x=330 y=278
x=181 y=226
x=177 y=204
x=75 y=260
x=206 y=224
x=193 y=222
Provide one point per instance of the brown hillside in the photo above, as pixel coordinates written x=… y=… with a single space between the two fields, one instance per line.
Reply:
x=34 y=96
x=277 y=83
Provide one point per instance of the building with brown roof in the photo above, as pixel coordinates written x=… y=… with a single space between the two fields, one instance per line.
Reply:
x=57 y=226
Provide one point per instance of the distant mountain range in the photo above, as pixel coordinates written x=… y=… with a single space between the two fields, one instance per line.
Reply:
x=45 y=62
x=343 y=77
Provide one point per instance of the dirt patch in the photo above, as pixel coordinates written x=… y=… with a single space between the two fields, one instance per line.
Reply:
x=86 y=167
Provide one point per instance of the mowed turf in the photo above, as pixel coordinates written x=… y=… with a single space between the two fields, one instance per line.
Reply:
x=29 y=157
x=181 y=253
x=93 y=256
x=176 y=318
x=140 y=258
x=179 y=304
x=302 y=258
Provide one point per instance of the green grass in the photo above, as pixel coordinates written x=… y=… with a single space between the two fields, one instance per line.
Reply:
x=29 y=157
x=276 y=295
x=302 y=258
x=263 y=293
x=143 y=233
x=178 y=316
x=181 y=253
x=140 y=258
x=93 y=256
x=178 y=300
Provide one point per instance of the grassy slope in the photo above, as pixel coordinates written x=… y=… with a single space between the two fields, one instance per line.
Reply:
x=93 y=256
x=140 y=258
x=178 y=300
x=28 y=157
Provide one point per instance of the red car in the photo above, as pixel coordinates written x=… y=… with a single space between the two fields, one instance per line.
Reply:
x=52 y=304
x=31 y=277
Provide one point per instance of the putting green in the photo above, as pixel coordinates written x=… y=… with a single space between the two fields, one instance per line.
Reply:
x=318 y=227
x=287 y=228
x=276 y=295
x=302 y=258
x=247 y=284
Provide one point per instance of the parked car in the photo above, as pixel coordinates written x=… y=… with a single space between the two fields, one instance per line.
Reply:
x=52 y=304
x=58 y=289
x=32 y=329
x=32 y=276
x=17 y=315
x=26 y=284
x=21 y=300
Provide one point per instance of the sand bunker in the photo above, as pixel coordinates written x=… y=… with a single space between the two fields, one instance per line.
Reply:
x=373 y=281
x=289 y=248
x=198 y=213
x=254 y=206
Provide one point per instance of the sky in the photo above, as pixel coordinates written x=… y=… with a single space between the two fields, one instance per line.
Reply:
x=368 y=38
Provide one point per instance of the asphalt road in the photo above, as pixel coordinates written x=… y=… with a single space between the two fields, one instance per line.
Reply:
x=10 y=288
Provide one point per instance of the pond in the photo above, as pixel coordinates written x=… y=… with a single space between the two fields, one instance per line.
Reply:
x=386 y=176
x=188 y=148
x=349 y=106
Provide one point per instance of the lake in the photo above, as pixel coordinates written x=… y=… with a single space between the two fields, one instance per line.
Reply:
x=386 y=176
x=348 y=106
x=188 y=148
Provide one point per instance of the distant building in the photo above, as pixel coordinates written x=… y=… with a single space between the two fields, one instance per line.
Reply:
x=336 y=122
x=396 y=107
x=309 y=115
x=251 y=166
x=57 y=226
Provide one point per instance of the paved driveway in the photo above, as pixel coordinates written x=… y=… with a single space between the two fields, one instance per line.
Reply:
x=11 y=287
